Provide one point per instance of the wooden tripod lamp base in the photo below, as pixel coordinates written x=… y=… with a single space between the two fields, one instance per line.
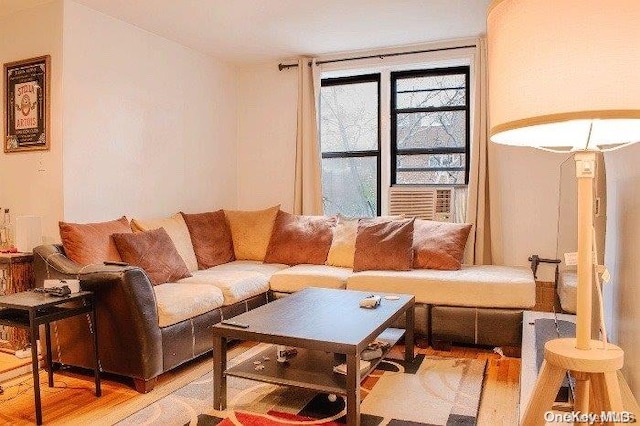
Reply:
x=596 y=373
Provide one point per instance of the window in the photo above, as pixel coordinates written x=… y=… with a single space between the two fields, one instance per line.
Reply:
x=350 y=144
x=430 y=127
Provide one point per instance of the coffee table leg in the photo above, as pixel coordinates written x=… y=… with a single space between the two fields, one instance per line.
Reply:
x=219 y=378
x=408 y=338
x=353 y=390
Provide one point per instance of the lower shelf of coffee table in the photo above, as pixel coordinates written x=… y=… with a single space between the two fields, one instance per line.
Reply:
x=308 y=369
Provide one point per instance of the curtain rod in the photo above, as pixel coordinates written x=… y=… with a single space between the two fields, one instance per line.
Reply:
x=381 y=56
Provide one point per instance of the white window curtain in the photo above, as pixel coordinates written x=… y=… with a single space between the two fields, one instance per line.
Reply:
x=478 y=207
x=308 y=174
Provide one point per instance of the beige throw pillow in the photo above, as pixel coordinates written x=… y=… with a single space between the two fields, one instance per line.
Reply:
x=343 y=246
x=178 y=232
x=251 y=231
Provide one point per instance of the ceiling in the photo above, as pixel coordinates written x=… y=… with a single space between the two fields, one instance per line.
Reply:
x=261 y=30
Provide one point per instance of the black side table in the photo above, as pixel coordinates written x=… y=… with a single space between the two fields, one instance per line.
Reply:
x=29 y=310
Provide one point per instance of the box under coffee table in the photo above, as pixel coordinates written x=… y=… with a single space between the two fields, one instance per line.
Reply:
x=320 y=323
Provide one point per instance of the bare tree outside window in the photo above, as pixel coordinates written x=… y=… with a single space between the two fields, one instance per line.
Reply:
x=350 y=142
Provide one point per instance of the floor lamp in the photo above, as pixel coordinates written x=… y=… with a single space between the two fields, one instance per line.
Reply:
x=563 y=76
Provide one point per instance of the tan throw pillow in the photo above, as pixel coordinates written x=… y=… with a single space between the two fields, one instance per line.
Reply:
x=154 y=252
x=91 y=243
x=343 y=245
x=300 y=239
x=178 y=232
x=384 y=246
x=211 y=238
x=439 y=245
x=251 y=231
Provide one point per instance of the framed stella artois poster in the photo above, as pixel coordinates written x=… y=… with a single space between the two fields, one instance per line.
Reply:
x=26 y=105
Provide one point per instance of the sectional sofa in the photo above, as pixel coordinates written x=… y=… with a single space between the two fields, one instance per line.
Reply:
x=146 y=329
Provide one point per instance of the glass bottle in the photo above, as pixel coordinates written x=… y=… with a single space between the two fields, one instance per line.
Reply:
x=7 y=226
x=3 y=235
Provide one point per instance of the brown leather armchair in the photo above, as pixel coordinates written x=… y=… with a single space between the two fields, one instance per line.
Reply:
x=131 y=343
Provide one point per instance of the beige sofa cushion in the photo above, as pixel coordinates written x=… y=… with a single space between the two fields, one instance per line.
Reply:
x=343 y=245
x=567 y=290
x=266 y=269
x=177 y=302
x=483 y=286
x=300 y=277
x=178 y=232
x=235 y=285
x=251 y=231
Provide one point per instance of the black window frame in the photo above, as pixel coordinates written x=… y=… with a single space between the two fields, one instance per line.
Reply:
x=364 y=78
x=432 y=72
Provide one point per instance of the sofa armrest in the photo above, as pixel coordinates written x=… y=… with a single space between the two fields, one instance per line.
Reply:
x=129 y=336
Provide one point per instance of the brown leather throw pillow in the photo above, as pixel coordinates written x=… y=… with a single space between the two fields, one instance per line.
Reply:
x=154 y=252
x=300 y=239
x=211 y=238
x=91 y=243
x=439 y=245
x=384 y=245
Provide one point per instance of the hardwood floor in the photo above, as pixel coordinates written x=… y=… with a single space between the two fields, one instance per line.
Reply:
x=72 y=400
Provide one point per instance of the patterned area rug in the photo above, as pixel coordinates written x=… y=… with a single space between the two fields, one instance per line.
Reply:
x=427 y=391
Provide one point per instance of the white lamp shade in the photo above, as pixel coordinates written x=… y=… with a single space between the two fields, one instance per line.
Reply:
x=564 y=73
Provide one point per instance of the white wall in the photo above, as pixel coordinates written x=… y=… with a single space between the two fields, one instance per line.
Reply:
x=150 y=126
x=524 y=210
x=31 y=182
x=266 y=136
x=622 y=295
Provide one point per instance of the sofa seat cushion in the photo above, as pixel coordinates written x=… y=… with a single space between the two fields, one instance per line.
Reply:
x=177 y=302
x=236 y=286
x=567 y=290
x=300 y=277
x=485 y=286
x=266 y=269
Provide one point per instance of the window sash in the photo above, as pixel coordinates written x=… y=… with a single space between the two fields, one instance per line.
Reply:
x=395 y=151
x=365 y=78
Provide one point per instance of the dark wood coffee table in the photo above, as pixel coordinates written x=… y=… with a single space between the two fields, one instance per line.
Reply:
x=320 y=323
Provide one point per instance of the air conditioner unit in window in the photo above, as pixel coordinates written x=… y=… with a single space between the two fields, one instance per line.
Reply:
x=422 y=202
